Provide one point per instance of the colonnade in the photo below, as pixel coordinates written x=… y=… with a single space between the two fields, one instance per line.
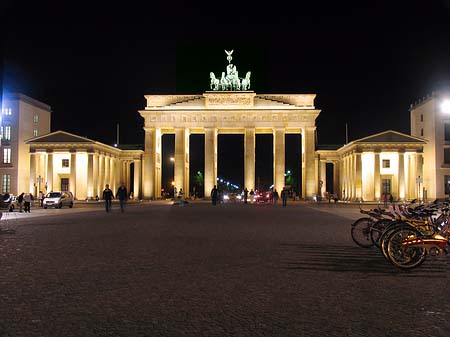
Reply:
x=88 y=172
x=152 y=158
x=365 y=186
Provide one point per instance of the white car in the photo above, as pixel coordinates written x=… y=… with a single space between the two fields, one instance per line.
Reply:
x=58 y=199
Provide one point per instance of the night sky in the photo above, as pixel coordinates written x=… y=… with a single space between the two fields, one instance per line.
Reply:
x=93 y=63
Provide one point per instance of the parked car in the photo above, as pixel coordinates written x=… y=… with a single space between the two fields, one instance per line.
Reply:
x=58 y=200
x=9 y=202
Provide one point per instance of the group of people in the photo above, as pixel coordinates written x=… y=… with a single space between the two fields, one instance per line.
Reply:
x=24 y=202
x=273 y=196
x=121 y=194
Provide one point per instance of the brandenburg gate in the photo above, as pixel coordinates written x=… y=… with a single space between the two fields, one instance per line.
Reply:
x=229 y=108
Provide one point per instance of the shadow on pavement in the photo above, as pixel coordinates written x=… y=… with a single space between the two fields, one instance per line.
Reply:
x=355 y=259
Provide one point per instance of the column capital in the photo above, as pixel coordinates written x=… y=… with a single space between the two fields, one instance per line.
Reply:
x=49 y=150
x=73 y=151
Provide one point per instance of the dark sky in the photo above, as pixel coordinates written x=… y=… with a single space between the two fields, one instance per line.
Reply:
x=92 y=63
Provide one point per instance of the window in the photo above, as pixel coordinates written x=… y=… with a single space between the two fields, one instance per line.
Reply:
x=65 y=163
x=7 y=156
x=64 y=186
x=7 y=111
x=447 y=184
x=421 y=132
x=386 y=163
x=36 y=118
x=386 y=186
x=7 y=132
x=421 y=118
x=35 y=133
x=6 y=183
x=447 y=132
x=446 y=156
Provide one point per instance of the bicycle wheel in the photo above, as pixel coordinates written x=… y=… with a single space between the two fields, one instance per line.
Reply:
x=404 y=256
x=377 y=229
x=384 y=239
x=361 y=232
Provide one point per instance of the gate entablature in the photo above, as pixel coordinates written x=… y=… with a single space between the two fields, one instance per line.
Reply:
x=224 y=112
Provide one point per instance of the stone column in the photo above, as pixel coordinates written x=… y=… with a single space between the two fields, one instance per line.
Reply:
x=323 y=178
x=419 y=173
x=181 y=166
x=112 y=173
x=107 y=171
x=96 y=177
x=358 y=176
x=137 y=179
x=73 y=173
x=249 y=160
x=90 y=175
x=279 y=159
x=210 y=160
x=308 y=151
x=401 y=174
x=377 y=177
x=148 y=186
x=336 y=177
x=50 y=170
x=412 y=189
x=101 y=174
x=32 y=172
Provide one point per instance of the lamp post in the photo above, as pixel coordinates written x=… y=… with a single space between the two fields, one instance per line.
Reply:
x=419 y=180
x=39 y=180
x=172 y=160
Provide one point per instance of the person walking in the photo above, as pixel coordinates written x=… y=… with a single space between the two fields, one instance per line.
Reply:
x=27 y=201
x=108 y=195
x=181 y=197
x=20 y=202
x=245 y=195
x=252 y=195
x=40 y=198
x=275 y=196
x=214 y=194
x=122 y=195
x=385 y=199
x=284 y=196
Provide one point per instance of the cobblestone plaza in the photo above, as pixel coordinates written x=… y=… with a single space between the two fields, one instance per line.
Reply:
x=230 y=270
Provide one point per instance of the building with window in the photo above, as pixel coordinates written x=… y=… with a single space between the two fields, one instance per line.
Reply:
x=61 y=161
x=430 y=119
x=366 y=169
x=22 y=118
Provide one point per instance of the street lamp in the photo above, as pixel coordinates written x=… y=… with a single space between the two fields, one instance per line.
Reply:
x=445 y=106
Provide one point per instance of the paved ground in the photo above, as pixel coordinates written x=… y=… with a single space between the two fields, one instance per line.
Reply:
x=163 y=270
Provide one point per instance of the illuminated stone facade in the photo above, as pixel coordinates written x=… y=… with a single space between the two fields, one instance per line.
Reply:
x=368 y=168
x=22 y=118
x=214 y=113
x=432 y=123
x=67 y=162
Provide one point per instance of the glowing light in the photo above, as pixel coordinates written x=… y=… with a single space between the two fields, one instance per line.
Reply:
x=172 y=159
x=445 y=106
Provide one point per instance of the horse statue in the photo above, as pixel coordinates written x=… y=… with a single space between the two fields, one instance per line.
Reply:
x=214 y=81
x=235 y=82
x=224 y=83
x=245 y=84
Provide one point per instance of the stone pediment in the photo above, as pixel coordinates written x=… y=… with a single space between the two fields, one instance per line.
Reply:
x=390 y=136
x=59 y=137
x=224 y=100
